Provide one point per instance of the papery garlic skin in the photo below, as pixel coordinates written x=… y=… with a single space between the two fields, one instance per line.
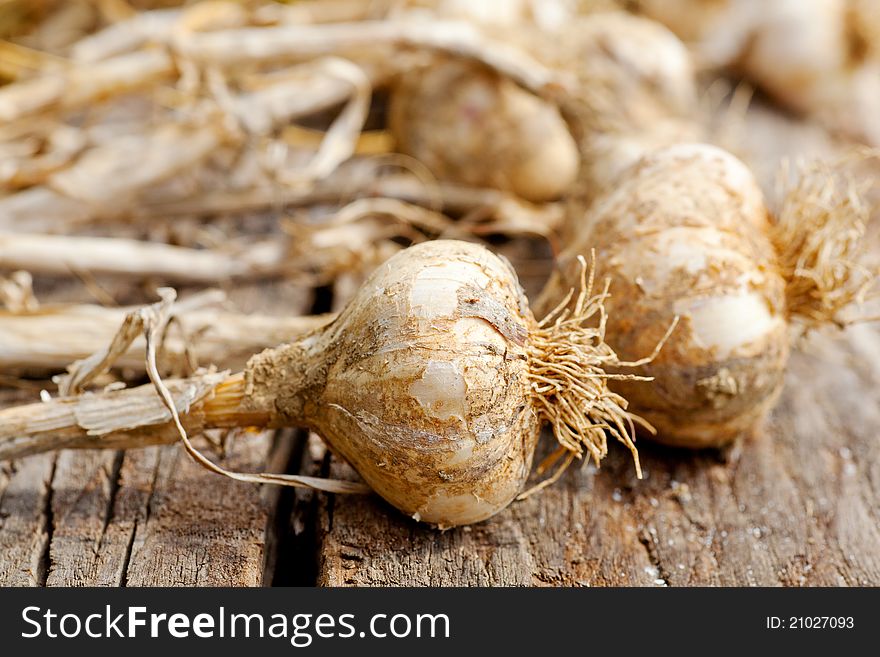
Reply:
x=623 y=104
x=818 y=57
x=470 y=125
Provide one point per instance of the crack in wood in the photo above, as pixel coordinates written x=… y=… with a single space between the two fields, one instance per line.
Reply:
x=113 y=478
x=285 y=545
x=126 y=557
x=45 y=560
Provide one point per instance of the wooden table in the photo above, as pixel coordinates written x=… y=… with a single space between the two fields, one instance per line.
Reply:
x=797 y=504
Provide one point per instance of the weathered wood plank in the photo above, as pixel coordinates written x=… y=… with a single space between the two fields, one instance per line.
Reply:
x=25 y=519
x=793 y=507
x=153 y=517
x=145 y=517
x=83 y=491
x=25 y=511
x=201 y=529
x=796 y=504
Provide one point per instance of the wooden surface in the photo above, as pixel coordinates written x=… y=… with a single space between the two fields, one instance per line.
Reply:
x=798 y=503
x=145 y=517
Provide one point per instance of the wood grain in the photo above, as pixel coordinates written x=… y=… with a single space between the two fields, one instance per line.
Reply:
x=795 y=504
x=145 y=517
x=25 y=523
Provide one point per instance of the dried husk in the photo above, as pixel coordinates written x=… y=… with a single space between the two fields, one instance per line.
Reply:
x=39 y=339
x=57 y=254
